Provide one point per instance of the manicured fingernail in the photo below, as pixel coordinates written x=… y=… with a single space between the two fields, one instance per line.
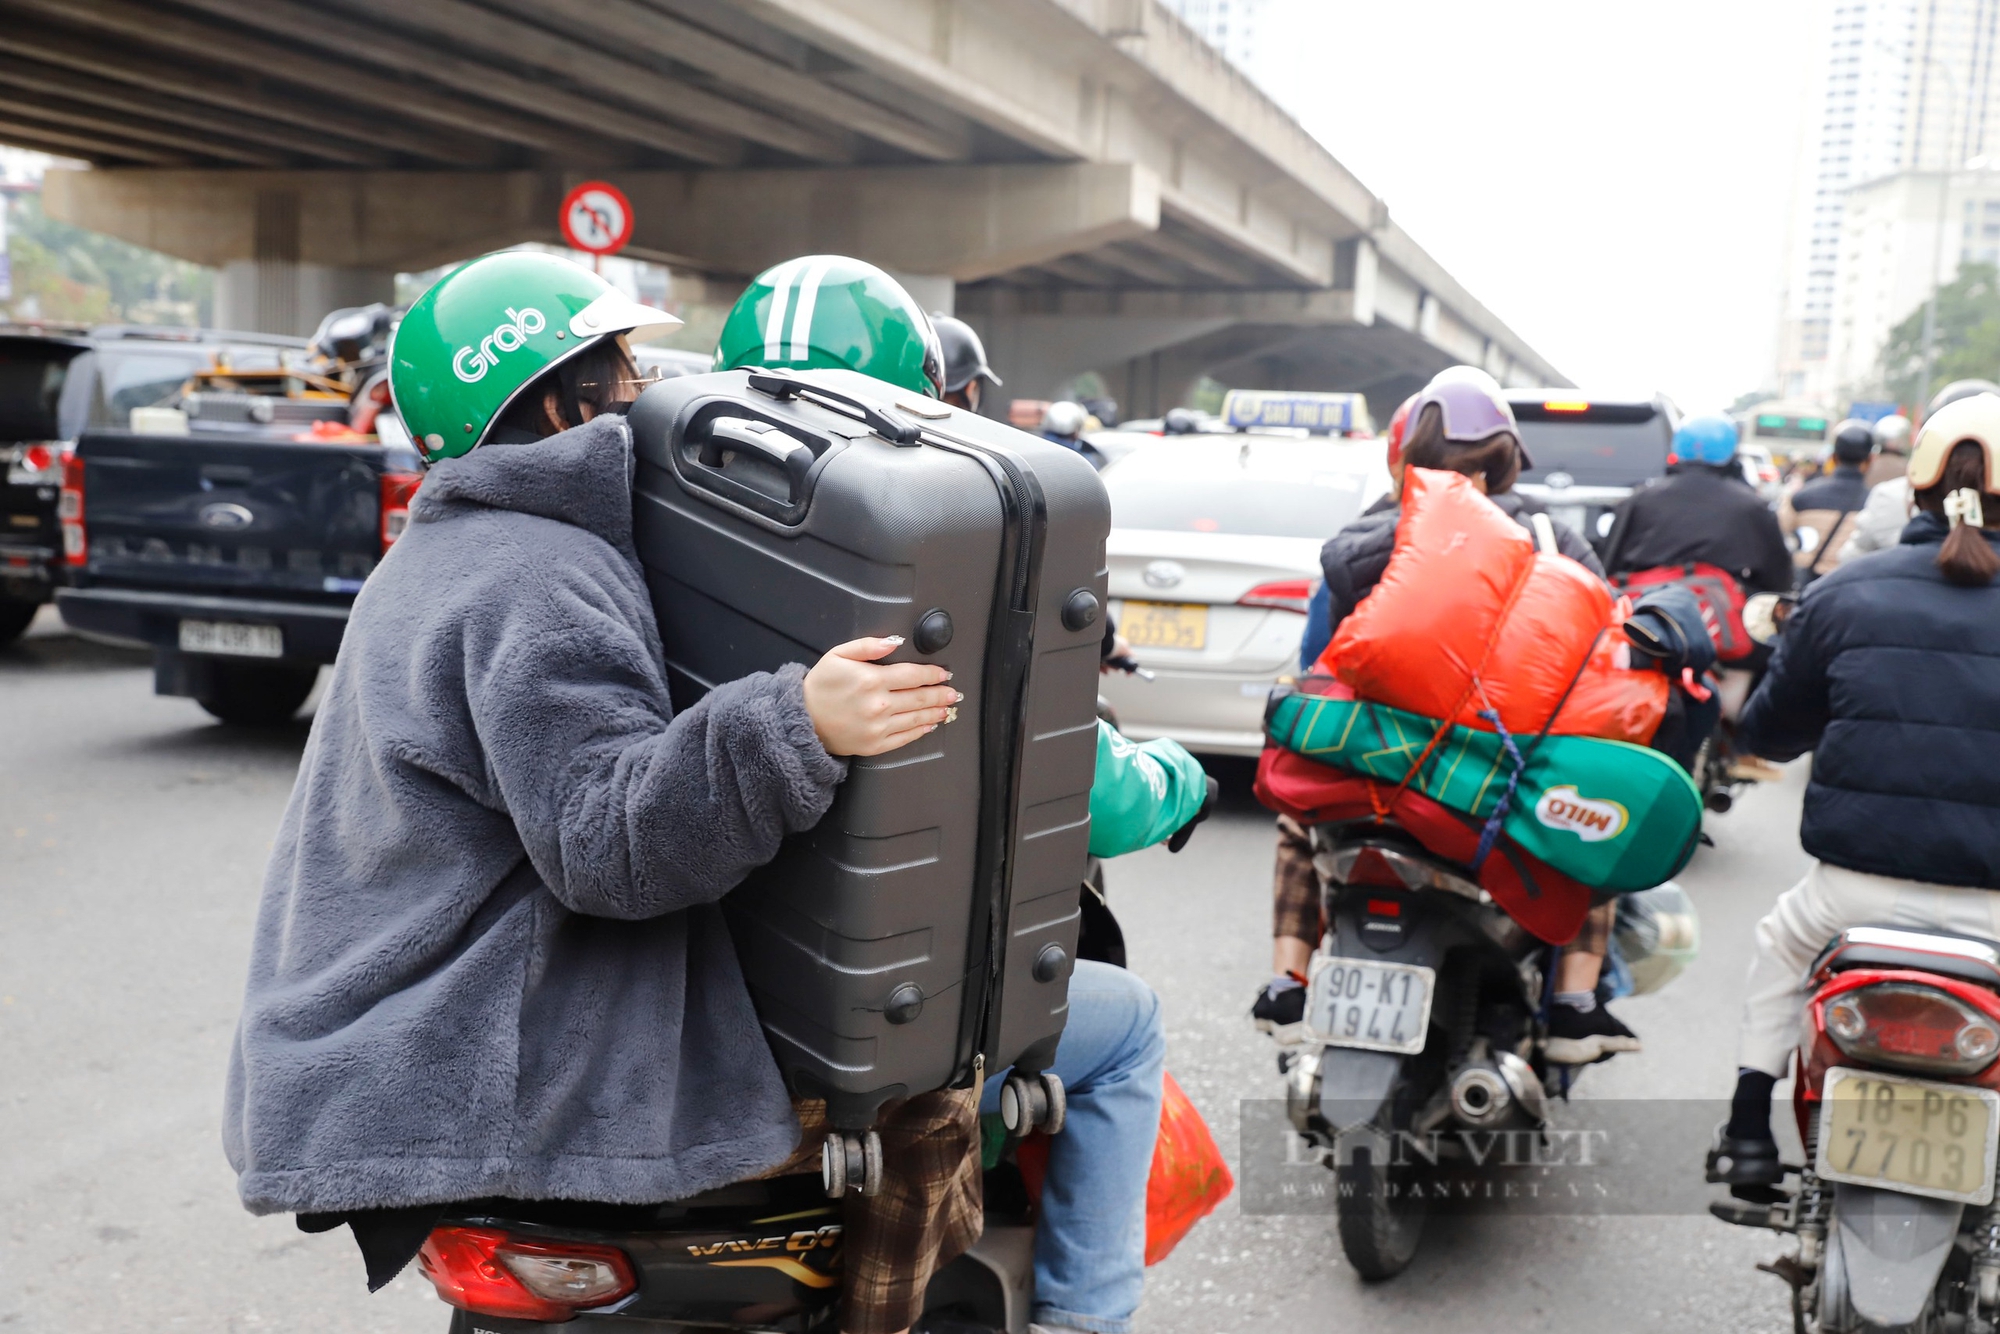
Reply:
x=892 y=639
x=932 y=728
x=947 y=676
x=958 y=697
x=950 y=715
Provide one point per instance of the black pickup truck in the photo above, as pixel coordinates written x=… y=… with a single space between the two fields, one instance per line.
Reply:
x=235 y=556
x=54 y=385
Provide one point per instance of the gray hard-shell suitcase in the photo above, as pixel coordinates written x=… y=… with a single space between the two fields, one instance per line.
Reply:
x=924 y=932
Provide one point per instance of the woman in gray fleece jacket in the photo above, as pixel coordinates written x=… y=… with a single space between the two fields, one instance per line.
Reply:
x=489 y=960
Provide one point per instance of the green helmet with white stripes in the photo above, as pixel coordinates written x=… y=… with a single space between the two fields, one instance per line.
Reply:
x=832 y=311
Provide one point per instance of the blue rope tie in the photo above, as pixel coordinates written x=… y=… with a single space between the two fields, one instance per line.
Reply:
x=1491 y=833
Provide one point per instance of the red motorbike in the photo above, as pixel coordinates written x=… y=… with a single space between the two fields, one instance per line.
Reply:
x=1898 y=1103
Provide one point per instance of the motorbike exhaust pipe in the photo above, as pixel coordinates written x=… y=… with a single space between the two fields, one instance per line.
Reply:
x=1480 y=1096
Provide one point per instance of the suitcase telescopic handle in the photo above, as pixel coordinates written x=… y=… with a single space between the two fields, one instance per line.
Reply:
x=884 y=423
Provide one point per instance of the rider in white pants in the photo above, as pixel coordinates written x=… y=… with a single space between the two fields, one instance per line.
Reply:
x=1887 y=673
x=1810 y=913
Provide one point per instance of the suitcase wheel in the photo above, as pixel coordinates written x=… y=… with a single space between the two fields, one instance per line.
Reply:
x=851 y=1161
x=1033 y=1102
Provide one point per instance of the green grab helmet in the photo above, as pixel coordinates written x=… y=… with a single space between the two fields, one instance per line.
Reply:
x=832 y=311
x=487 y=330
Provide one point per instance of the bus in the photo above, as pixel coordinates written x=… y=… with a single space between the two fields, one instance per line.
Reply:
x=1786 y=427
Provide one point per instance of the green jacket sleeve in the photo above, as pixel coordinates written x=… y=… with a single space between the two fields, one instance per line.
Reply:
x=1142 y=793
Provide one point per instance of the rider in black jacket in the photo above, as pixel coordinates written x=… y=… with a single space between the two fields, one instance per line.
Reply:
x=1831 y=505
x=1701 y=511
x=1885 y=671
x=1460 y=423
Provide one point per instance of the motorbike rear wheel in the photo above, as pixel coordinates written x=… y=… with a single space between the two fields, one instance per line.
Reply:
x=1381 y=1220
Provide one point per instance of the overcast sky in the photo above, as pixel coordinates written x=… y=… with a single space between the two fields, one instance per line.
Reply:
x=1611 y=179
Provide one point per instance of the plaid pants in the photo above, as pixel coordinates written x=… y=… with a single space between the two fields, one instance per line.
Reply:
x=930 y=1210
x=1294 y=885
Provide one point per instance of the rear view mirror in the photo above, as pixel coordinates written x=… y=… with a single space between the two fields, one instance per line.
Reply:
x=1764 y=614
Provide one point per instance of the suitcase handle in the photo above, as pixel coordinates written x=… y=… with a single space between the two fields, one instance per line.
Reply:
x=885 y=424
x=792 y=456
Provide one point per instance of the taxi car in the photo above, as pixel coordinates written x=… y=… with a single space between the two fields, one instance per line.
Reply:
x=1214 y=554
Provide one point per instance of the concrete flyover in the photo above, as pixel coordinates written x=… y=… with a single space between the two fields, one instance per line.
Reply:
x=1085 y=180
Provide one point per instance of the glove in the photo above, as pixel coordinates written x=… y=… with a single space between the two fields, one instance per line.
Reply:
x=1185 y=832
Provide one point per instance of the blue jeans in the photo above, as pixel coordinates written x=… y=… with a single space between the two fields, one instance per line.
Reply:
x=1090 y=1241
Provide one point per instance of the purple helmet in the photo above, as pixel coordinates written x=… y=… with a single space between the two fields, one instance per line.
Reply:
x=1472 y=405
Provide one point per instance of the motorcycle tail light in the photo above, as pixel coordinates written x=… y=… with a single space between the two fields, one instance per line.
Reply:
x=491 y=1272
x=1911 y=1027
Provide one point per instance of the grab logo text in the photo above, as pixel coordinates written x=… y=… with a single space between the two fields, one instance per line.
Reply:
x=470 y=364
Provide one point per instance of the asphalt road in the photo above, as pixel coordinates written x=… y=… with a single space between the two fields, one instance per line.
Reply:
x=135 y=830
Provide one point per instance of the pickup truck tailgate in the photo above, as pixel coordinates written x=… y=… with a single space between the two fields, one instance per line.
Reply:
x=204 y=515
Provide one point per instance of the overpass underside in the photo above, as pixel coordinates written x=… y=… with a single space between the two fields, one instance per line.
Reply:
x=1090 y=185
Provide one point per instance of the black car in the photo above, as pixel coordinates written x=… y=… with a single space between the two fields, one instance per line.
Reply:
x=1591 y=451
x=56 y=385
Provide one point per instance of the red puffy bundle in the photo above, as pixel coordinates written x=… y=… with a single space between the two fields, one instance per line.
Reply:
x=1469 y=616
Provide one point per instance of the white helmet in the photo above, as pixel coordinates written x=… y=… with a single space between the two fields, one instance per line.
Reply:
x=1063 y=418
x=1892 y=434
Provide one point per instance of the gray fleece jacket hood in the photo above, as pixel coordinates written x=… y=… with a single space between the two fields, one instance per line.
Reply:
x=488 y=958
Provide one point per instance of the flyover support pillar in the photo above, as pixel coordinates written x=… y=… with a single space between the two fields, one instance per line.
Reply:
x=288 y=297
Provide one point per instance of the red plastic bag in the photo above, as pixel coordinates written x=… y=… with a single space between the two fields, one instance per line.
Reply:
x=1187 y=1181
x=1469 y=616
x=1188 y=1178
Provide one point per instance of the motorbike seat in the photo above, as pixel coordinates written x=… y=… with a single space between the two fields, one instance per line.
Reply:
x=1968 y=958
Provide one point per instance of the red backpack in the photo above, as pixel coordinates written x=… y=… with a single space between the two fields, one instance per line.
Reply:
x=1716 y=589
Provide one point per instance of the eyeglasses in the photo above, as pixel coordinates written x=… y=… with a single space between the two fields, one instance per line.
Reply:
x=643 y=382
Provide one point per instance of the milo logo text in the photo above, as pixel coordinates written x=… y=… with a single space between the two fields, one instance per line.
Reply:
x=470 y=364
x=1589 y=819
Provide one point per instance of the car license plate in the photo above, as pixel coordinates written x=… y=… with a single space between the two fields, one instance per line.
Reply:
x=1910 y=1135
x=232 y=638
x=1165 y=625
x=1376 y=1006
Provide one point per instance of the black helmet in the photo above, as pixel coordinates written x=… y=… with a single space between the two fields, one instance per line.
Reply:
x=1854 y=441
x=964 y=354
x=1958 y=389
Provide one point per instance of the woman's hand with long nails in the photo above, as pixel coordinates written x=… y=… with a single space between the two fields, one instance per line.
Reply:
x=860 y=706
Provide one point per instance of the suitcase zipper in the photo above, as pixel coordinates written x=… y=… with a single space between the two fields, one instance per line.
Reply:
x=1010 y=644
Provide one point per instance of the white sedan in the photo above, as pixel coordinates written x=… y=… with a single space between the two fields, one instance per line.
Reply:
x=1214 y=554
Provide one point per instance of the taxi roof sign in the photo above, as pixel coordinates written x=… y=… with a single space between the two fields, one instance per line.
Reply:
x=1320 y=414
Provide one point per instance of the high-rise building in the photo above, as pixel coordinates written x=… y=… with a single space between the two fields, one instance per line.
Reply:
x=1908 y=89
x=1236 y=28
